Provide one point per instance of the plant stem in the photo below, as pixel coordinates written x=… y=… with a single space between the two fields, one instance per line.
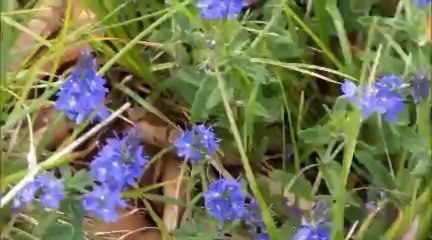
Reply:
x=271 y=227
x=349 y=149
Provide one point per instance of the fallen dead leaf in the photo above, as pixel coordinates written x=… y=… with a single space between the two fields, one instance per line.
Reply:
x=44 y=23
x=129 y=225
x=148 y=235
x=44 y=118
x=80 y=17
x=153 y=130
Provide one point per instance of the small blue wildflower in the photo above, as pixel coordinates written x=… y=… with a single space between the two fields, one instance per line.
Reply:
x=103 y=203
x=371 y=206
x=382 y=97
x=224 y=200
x=24 y=197
x=217 y=9
x=118 y=164
x=109 y=171
x=349 y=90
x=83 y=92
x=196 y=143
x=317 y=230
x=420 y=87
x=252 y=216
x=52 y=191
x=207 y=138
x=312 y=232
x=389 y=100
x=262 y=236
x=46 y=186
x=422 y=3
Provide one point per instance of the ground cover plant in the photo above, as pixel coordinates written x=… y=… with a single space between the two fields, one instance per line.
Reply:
x=216 y=119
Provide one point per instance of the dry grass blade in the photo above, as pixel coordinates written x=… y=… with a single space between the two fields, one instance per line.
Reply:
x=174 y=175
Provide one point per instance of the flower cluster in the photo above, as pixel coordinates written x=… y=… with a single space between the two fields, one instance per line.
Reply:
x=47 y=187
x=117 y=165
x=83 y=92
x=316 y=230
x=382 y=97
x=225 y=200
x=422 y=3
x=253 y=218
x=217 y=9
x=196 y=143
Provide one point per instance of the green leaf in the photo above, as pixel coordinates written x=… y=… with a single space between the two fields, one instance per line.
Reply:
x=198 y=228
x=378 y=172
x=59 y=231
x=411 y=141
x=79 y=180
x=317 y=135
x=299 y=185
x=75 y=212
x=423 y=165
x=199 y=108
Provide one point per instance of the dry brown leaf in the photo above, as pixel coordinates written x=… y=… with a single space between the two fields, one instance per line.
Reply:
x=44 y=23
x=175 y=188
x=80 y=17
x=46 y=116
x=149 y=235
x=129 y=225
x=153 y=130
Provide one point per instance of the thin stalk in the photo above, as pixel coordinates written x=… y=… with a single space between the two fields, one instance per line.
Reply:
x=245 y=162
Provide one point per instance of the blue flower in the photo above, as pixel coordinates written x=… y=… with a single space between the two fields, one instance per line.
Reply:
x=262 y=236
x=388 y=99
x=103 y=203
x=382 y=97
x=118 y=164
x=420 y=87
x=52 y=191
x=318 y=230
x=312 y=232
x=253 y=218
x=196 y=143
x=83 y=92
x=47 y=187
x=217 y=9
x=224 y=200
x=24 y=197
x=422 y=3
x=349 y=90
